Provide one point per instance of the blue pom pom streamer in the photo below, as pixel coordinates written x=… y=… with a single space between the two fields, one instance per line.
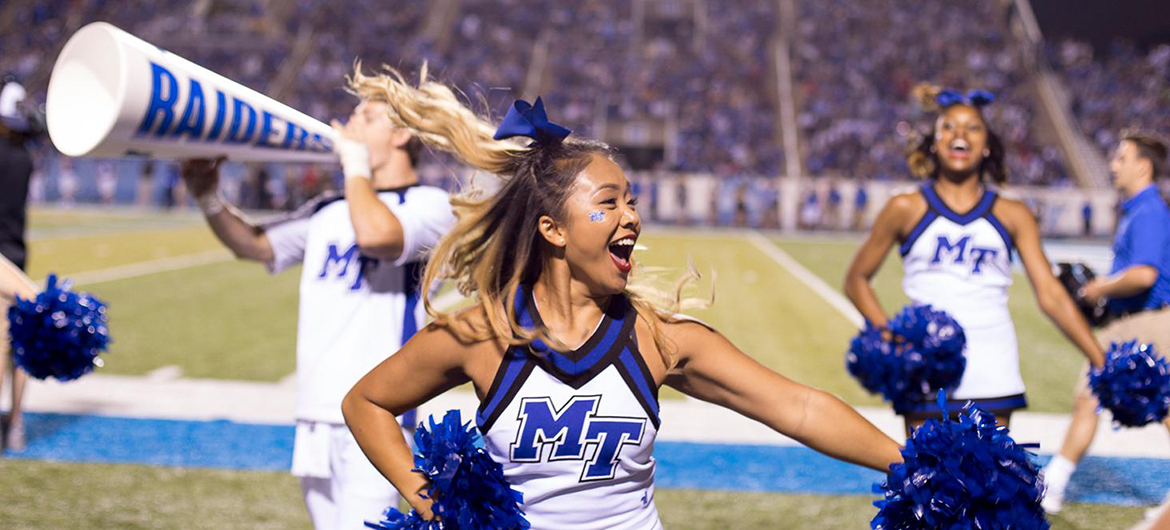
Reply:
x=396 y=520
x=962 y=474
x=468 y=487
x=1134 y=384
x=925 y=357
x=59 y=333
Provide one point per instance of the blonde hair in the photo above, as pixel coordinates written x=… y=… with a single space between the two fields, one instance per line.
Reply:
x=493 y=247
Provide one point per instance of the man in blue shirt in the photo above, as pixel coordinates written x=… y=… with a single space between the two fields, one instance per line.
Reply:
x=1137 y=289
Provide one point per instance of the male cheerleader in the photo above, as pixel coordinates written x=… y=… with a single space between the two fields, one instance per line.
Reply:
x=363 y=256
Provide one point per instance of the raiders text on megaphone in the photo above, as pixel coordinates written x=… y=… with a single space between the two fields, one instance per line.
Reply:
x=244 y=124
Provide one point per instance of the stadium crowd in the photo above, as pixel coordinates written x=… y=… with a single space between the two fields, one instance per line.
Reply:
x=857 y=62
x=1120 y=87
x=704 y=72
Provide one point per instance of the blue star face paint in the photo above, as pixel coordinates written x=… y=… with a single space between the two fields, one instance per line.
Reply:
x=596 y=216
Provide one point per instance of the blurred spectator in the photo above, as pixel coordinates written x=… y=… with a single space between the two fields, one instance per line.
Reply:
x=833 y=207
x=810 y=211
x=144 y=192
x=67 y=184
x=860 y=202
x=107 y=182
x=1087 y=218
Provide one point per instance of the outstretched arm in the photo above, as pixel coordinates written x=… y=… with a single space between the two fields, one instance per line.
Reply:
x=712 y=369
x=1132 y=281
x=426 y=366
x=1053 y=299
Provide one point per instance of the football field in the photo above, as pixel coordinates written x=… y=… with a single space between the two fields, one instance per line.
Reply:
x=183 y=310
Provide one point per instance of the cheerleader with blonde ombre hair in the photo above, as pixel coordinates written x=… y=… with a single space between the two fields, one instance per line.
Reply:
x=565 y=356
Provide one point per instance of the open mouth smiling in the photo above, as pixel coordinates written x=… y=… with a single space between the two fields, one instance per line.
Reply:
x=620 y=252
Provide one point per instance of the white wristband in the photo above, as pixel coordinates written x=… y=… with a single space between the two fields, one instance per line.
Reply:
x=210 y=204
x=355 y=158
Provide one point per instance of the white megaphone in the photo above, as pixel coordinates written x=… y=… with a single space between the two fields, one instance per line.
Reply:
x=112 y=94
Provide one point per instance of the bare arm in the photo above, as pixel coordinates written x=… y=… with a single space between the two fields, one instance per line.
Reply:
x=14 y=282
x=1053 y=299
x=885 y=233
x=378 y=231
x=712 y=369
x=1132 y=281
x=429 y=364
x=244 y=239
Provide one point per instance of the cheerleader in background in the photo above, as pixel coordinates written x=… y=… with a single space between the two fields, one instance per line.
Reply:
x=956 y=235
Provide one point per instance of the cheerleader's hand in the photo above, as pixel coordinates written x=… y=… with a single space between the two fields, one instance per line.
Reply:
x=201 y=176
x=422 y=505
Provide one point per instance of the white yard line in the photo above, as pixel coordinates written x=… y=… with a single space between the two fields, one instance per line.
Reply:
x=814 y=282
x=163 y=374
x=145 y=268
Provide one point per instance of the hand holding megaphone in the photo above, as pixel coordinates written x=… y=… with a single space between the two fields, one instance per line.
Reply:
x=113 y=94
x=201 y=176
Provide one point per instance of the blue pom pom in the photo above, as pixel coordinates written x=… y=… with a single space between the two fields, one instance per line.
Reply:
x=468 y=487
x=926 y=356
x=1134 y=384
x=59 y=333
x=961 y=475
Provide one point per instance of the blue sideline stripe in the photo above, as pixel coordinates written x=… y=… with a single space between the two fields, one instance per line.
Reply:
x=208 y=444
x=231 y=445
x=1101 y=480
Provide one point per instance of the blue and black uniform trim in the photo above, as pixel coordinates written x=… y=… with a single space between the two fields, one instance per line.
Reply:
x=613 y=343
x=935 y=208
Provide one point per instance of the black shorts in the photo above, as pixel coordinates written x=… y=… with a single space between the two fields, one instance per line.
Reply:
x=999 y=406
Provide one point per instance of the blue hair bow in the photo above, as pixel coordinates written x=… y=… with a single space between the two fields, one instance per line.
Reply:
x=530 y=121
x=975 y=98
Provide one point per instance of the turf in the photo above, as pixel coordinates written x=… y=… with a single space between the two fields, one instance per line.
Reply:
x=242 y=322
x=231 y=320
x=55 y=495
x=139 y=497
x=56 y=223
x=763 y=309
x=72 y=254
x=223 y=321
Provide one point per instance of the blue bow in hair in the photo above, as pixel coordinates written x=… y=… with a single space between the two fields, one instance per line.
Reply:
x=530 y=121
x=975 y=98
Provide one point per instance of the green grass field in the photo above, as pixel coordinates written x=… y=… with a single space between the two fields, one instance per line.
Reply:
x=230 y=320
